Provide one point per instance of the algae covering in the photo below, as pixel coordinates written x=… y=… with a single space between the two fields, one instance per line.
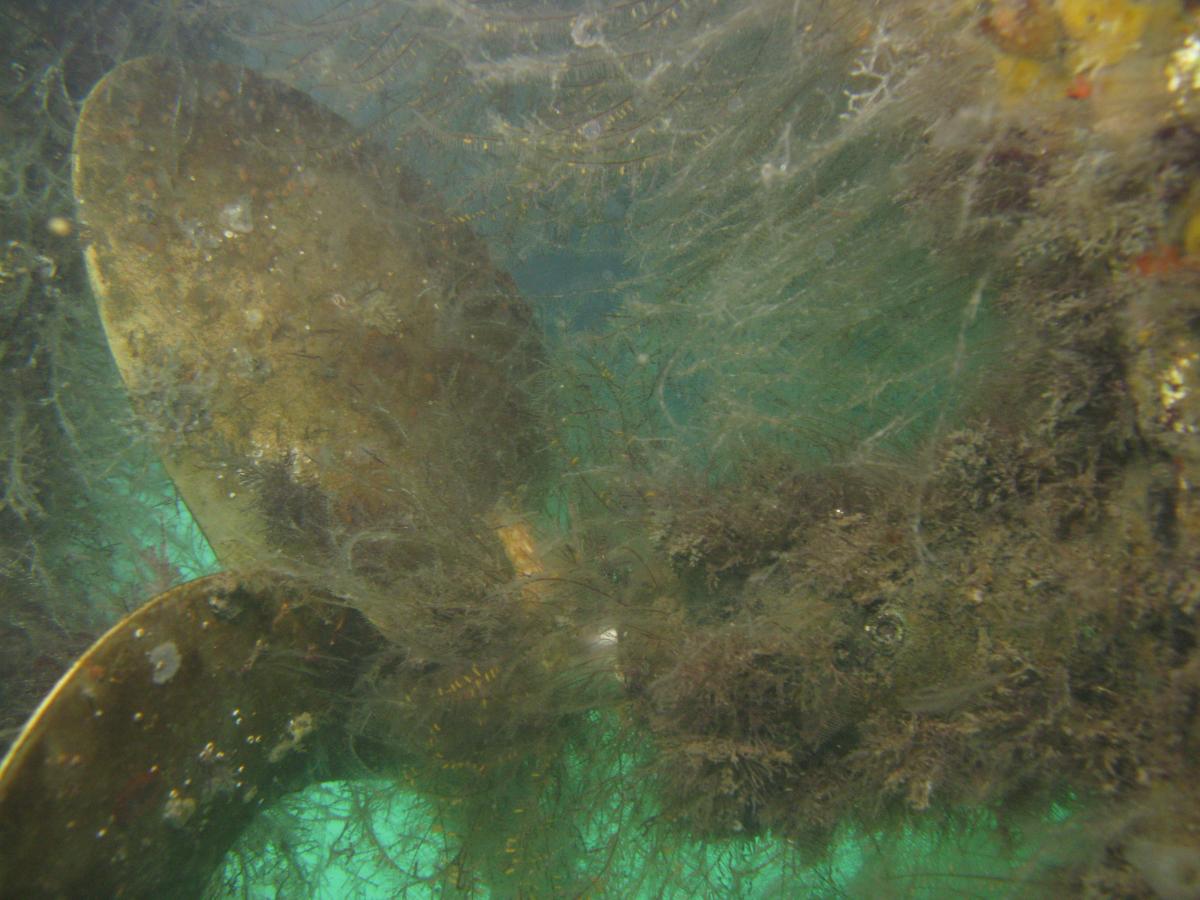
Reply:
x=285 y=311
x=818 y=518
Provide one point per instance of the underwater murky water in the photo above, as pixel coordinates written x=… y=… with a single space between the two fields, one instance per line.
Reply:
x=682 y=449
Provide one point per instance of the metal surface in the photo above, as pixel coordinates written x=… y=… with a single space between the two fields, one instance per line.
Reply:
x=317 y=352
x=169 y=735
x=316 y=346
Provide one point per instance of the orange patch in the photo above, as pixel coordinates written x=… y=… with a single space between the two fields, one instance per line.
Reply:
x=1081 y=88
x=1159 y=262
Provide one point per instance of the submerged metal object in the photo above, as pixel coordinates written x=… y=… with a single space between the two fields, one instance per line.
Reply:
x=164 y=740
x=318 y=352
x=317 y=346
